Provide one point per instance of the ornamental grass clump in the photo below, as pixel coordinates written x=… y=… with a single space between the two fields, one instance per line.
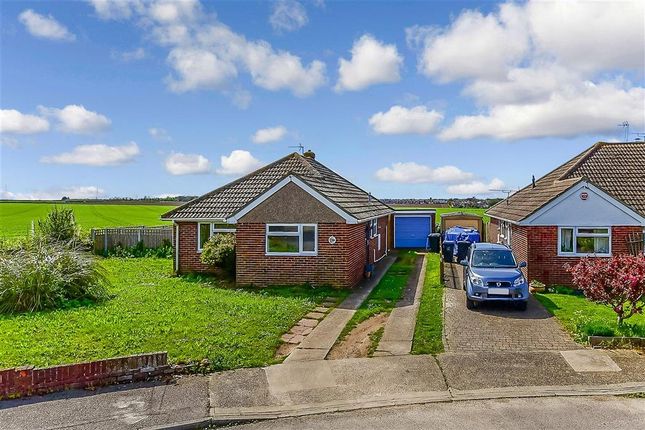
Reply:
x=618 y=282
x=60 y=226
x=38 y=274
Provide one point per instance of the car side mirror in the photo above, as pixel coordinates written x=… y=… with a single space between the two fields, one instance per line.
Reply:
x=522 y=264
x=464 y=262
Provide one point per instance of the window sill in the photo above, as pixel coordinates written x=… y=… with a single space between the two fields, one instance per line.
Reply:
x=291 y=254
x=583 y=255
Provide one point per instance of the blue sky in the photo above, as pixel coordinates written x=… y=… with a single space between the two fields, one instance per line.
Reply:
x=406 y=99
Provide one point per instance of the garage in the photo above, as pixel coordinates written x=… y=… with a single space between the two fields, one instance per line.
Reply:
x=412 y=227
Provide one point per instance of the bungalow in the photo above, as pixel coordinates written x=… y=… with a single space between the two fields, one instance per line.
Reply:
x=295 y=221
x=589 y=206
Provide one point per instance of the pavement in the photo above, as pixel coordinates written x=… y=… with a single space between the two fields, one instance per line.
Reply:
x=399 y=328
x=319 y=342
x=601 y=412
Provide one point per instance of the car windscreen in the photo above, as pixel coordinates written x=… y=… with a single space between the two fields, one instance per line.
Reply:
x=493 y=258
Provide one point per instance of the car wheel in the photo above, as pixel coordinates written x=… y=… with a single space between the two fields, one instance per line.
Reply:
x=470 y=304
x=521 y=306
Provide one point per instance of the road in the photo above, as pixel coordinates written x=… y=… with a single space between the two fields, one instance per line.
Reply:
x=542 y=413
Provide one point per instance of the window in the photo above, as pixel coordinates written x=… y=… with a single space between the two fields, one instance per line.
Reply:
x=207 y=229
x=292 y=239
x=584 y=241
x=373 y=228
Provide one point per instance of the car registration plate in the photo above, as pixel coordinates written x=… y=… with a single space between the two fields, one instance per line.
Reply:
x=498 y=291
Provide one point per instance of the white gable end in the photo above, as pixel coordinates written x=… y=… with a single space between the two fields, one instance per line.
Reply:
x=584 y=205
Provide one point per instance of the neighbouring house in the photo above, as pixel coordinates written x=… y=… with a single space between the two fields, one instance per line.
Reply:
x=295 y=220
x=589 y=206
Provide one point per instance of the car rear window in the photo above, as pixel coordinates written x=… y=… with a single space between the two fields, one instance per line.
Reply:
x=493 y=258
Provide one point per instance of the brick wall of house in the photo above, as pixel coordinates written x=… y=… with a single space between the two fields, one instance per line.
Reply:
x=189 y=257
x=545 y=265
x=493 y=230
x=520 y=244
x=340 y=265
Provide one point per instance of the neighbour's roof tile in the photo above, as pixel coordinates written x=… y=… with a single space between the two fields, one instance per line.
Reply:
x=233 y=197
x=617 y=168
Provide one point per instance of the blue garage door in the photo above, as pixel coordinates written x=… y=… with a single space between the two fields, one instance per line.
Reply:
x=411 y=231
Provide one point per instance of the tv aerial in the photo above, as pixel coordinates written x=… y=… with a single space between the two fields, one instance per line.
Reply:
x=301 y=148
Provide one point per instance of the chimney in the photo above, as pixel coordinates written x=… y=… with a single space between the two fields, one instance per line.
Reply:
x=309 y=154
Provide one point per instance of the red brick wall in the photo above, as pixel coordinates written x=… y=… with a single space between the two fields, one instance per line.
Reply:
x=27 y=380
x=520 y=244
x=189 y=258
x=493 y=230
x=340 y=265
x=545 y=265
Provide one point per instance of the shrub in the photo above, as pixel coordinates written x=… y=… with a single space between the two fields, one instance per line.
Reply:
x=37 y=275
x=59 y=226
x=618 y=282
x=140 y=251
x=219 y=252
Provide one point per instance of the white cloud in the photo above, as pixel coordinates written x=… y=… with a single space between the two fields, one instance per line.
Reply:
x=79 y=192
x=288 y=15
x=591 y=109
x=77 y=119
x=13 y=121
x=269 y=134
x=402 y=120
x=159 y=134
x=96 y=155
x=372 y=62
x=45 y=27
x=205 y=54
x=477 y=187
x=178 y=163
x=413 y=173
x=541 y=69
x=116 y=9
x=473 y=46
x=238 y=162
x=129 y=56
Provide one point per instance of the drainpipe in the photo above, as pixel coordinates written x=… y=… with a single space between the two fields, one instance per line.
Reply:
x=176 y=226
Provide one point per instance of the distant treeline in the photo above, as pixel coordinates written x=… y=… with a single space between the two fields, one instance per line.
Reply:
x=470 y=202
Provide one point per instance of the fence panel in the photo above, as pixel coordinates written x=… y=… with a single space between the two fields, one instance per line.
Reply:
x=105 y=239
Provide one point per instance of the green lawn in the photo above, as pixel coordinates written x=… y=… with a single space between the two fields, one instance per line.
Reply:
x=15 y=218
x=384 y=296
x=428 y=331
x=583 y=318
x=190 y=317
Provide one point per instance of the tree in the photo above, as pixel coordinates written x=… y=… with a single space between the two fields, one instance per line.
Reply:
x=618 y=282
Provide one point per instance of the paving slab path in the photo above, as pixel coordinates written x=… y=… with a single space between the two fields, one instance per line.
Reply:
x=496 y=327
x=319 y=342
x=399 y=328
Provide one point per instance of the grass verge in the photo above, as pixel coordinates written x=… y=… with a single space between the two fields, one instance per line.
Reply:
x=583 y=318
x=191 y=317
x=384 y=296
x=429 y=328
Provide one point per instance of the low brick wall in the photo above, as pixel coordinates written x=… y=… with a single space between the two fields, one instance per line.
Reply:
x=27 y=380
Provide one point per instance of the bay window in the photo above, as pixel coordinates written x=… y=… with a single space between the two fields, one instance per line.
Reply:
x=291 y=239
x=584 y=241
x=206 y=229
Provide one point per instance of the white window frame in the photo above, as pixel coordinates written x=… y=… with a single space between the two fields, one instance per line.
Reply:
x=373 y=226
x=298 y=234
x=212 y=231
x=575 y=242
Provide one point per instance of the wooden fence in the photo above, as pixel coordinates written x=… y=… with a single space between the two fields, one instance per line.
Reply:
x=105 y=239
x=636 y=243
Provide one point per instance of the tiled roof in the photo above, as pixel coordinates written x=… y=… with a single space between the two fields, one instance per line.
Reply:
x=617 y=168
x=231 y=198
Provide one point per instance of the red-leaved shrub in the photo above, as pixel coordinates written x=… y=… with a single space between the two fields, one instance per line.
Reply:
x=618 y=281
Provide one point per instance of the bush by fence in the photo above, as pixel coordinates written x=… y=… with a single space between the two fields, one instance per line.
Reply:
x=107 y=239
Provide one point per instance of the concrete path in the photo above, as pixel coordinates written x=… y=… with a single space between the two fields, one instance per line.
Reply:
x=319 y=342
x=399 y=328
x=496 y=327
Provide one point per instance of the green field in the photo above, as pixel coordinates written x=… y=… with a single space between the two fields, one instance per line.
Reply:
x=441 y=211
x=16 y=218
x=190 y=317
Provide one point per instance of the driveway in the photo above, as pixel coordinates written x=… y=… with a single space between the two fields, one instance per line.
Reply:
x=496 y=327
